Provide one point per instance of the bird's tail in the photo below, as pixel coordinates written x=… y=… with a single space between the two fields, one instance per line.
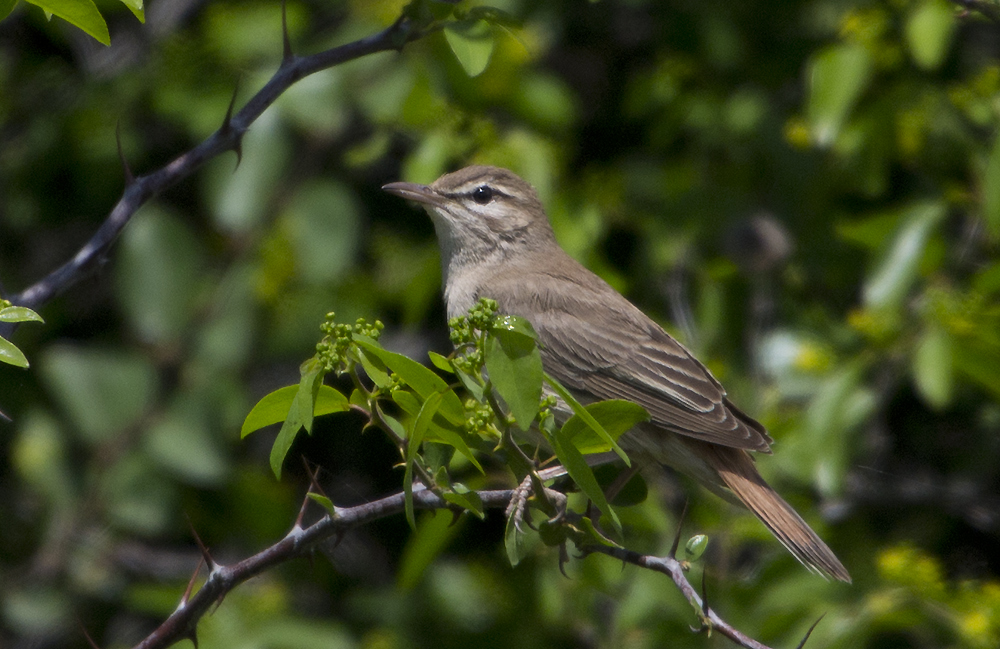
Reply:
x=737 y=470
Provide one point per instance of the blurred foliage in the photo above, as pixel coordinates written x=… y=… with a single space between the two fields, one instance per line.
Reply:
x=807 y=192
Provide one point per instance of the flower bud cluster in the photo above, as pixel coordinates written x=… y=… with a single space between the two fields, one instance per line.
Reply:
x=332 y=350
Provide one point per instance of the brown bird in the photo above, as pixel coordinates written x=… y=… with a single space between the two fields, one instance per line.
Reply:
x=496 y=242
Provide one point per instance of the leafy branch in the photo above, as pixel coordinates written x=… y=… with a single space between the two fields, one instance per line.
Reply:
x=445 y=441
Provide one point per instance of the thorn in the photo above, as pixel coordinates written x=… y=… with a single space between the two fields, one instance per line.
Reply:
x=129 y=176
x=191 y=635
x=677 y=537
x=704 y=596
x=227 y=125
x=286 y=42
x=809 y=632
x=209 y=561
x=93 y=644
x=194 y=577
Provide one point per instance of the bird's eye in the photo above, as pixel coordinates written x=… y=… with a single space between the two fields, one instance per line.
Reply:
x=482 y=195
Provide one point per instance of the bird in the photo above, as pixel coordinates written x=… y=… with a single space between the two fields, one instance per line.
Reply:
x=496 y=242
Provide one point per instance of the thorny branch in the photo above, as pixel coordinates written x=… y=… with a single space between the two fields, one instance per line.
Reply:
x=139 y=189
x=182 y=623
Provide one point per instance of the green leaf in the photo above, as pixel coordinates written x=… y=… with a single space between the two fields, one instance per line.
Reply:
x=515 y=369
x=587 y=418
x=312 y=377
x=435 y=532
x=273 y=407
x=103 y=392
x=9 y=353
x=423 y=380
x=6 y=6
x=427 y=412
x=323 y=502
x=157 y=275
x=472 y=43
x=889 y=284
x=615 y=415
x=838 y=76
x=932 y=367
x=466 y=499
x=19 y=314
x=286 y=436
x=375 y=369
x=135 y=6
x=583 y=476
x=991 y=190
x=979 y=362
x=435 y=432
x=929 y=31
x=81 y=13
x=440 y=362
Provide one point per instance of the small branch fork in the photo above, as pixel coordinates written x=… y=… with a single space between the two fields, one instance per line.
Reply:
x=139 y=189
x=182 y=623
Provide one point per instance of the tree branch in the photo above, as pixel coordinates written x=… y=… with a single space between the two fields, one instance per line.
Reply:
x=227 y=138
x=299 y=541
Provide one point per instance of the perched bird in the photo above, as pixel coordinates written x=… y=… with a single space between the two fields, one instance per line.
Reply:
x=496 y=242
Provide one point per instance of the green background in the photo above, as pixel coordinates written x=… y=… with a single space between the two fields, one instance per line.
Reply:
x=806 y=193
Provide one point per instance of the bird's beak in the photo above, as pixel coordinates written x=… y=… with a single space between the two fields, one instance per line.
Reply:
x=414 y=192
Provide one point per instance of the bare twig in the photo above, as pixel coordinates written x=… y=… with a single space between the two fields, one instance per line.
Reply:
x=675 y=570
x=987 y=8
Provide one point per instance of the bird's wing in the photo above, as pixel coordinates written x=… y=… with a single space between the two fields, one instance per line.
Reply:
x=594 y=341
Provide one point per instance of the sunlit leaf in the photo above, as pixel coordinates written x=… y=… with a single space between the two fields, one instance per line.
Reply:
x=587 y=418
x=423 y=380
x=10 y=354
x=81 y=13
x=615 y=416
x=6 y=6
x=273 y=408
x=423 y=420
x=135 y=6
x=19 y=314
x=322 y=501
x=515 y=368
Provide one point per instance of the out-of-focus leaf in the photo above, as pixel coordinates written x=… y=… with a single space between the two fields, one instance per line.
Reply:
x=616 y=416
x=9 y=353
x=515 y=368
x=80 y=13
x=889 y=283
x=273 y=408
x=6 y=6
x=182 y=443
x=838 y=76
x=979 y=362
x=19 y=314
x=137 y=495
x=928 y=32
x=472 y=43
x=158 y=273
x=323 y=225
x=932 y=367
x=103 y=392
x=435 y=531
x=991 y=190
